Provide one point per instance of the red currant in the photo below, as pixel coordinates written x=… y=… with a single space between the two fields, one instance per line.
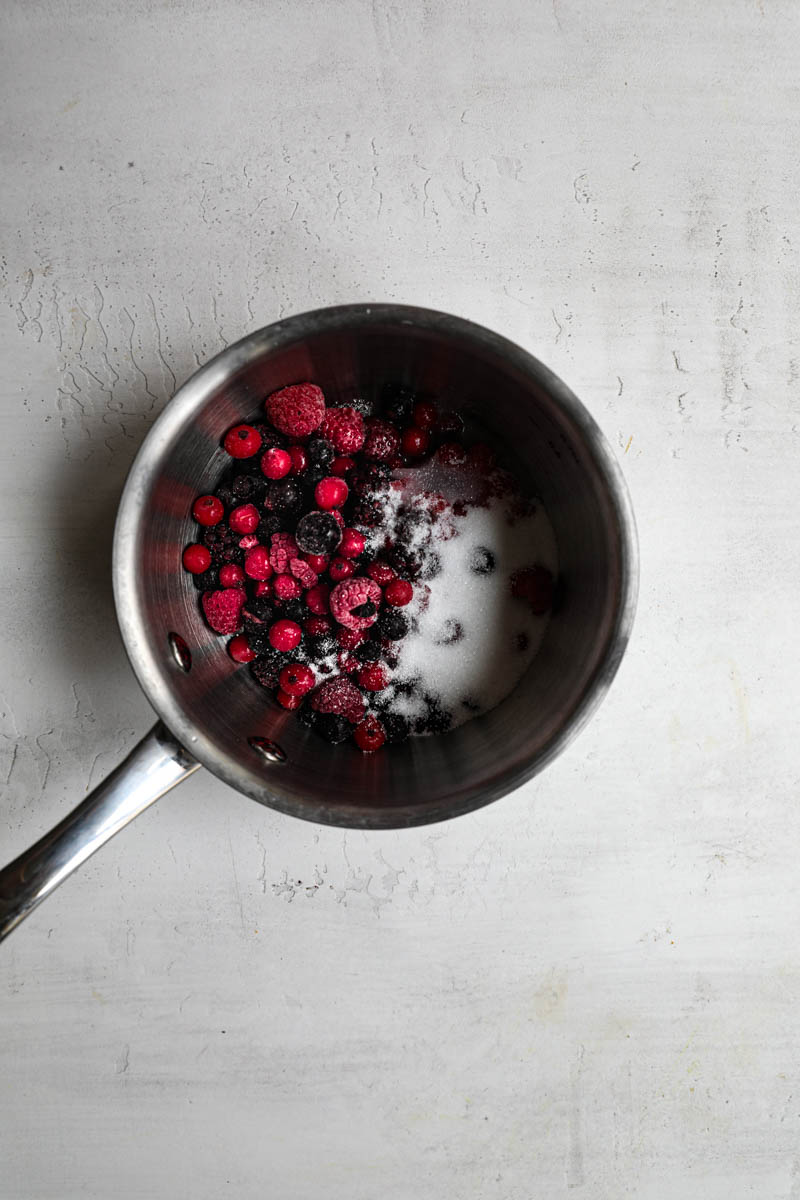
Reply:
x=398 y=593
x=242 y=441
x=275 y=463
x=296 y=679
x=330 y=492
x=285 y=635
x=196 y=558
x=369 y=735
x=372 y=678
x=288 y=701
x=341 y=568
x=352 y=543
x=240 y=650
x=231 y=575
x=208 y=510
x=341 y=465
x=415 y=441
x=257 y=564
x=317 y=598
x=381 y=572
x=244 y=519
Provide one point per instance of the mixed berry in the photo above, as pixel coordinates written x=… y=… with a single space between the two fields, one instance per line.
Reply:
x=299 y=564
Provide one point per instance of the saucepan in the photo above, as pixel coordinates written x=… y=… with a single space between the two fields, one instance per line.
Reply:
x=213 y=714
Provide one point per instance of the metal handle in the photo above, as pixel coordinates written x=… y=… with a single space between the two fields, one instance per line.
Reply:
x=150 y=770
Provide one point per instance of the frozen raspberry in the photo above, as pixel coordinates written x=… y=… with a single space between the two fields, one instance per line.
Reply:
x=347 y=663
x=341 y=568
x=223 y=609
x=352 y=543
x=282 y=549
x=425 y=414
x=317 y=626
x=415 y=441
x=240 y=649
x=354 y=594
x=287 y=700
x=341 y=465
x=299 y=459
x=244 y=519
x=373 y=678
x=452 y=454
x=348 y=639
x=535 y=586
x=303 y=572
x=398 y=593
x=231 y=575
x=196 y=558
x=317 y=562
x=208 y=510
x=297 y=679
x=284 y=587
x=382 y=440
x=257 y=564
x=285 y=635
x=317 y=598
x=296 y=410
x=381 y=572
x=339 y=696
x=318 y=533
x=275 y=463
x=248 y=541
x=369 y=735
x=344 y=428
x=242 y=441
x=331 y=492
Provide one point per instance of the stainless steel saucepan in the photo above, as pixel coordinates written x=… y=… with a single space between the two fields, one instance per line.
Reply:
x=212 y=713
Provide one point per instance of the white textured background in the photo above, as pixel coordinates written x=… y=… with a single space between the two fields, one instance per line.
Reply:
x=590 y=988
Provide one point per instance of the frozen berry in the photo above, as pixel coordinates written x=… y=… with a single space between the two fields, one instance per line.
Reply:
x=347 y=662
x=481 y=561
x=398 y=401
x=331 y=492
x=398 y=593
x=339 y=695
x=332 y=727
x=344 y=428
x=283 y=495
x=287 y=700
x=267 y=667
x=352 y=543
x=338 y=518
x=208 y=510
x=244 y=519
x=317 y=598
x=296 y=410
x=381 y=572
x=196 y=558
x=223 y=609
x=382 y=440
x=341 y=465
x=348 y=639
x=257 y=564
x=348 y=597
x=534 y=585
x=292 y=610
x=367 y=652
x=242 y=441
x=415 y=441
x=372 y=678
x=303 y=572
x=248 y=540
x=263 y=588
x=275 y=463
x=297 y=679
x=299 y=459
x=396 y=728
x=282 y=549
x=317 y=562
x=452 y=454
x=318 y=533
x=424 y=414
x=317 y=626
x=285 y=635
x=341 y=568
x=368 y=513
x=240 y=649
x=285 y=587
x=369 y=735
x=320 y=453
x=231 y=575
x=392 y=625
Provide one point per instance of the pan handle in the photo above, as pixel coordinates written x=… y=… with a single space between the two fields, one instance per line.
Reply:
x=154 y=766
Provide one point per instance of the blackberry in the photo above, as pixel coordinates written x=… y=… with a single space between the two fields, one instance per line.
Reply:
x=481 y=561
x=270 y=523
x=258 y=639
x=406 y=564
x=207 y=581
x=332 y=727
x=392 y=624
x=364 y=611
x=431 y=566
x=247 y=487
x=306 y=716
x=322 y=646
x=283 y=496
x=368 y=652
x=321 y=453
x=367 y=513
x=318 y=533
x=225 y=494
x=292 y=610
x=436 y=720
x=360 y=404
x=258 y=612
x=371 y=477
x=267 y=668
x=223 y=544
x=397 y=401
x=269 y=436
x=396 y=728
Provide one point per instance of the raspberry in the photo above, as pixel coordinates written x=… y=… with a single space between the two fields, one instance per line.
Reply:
x=248 y=541
x=196 y=558
x=452 y=454
x=240 y=650
x=242 y=441
x=231 y=575
x=341 y=465
x=223 y=609
x=317 y=598
x=275 y=463
x=349 y=596
x=344 y=428
x=415 y=441
x=535 y=585
x=285 y=635
x=347 y=663
x=303 y=572
x=340 y=697
x=341 y=568
x=352 y=543
x=382 y=440
x=297 y=679
x=425 y=414
x=369 y=735
x=285 y=587
x=398 y=593
x=381 y=572
x=208 y=510
x=318 y=533
x=373 y=678
x=331 y=492
x=244 y=519
x=282 y=549
x=296 y=410
x=299 y=459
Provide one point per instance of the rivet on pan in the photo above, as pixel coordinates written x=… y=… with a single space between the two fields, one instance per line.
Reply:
x=180 y=651
x=271 y=751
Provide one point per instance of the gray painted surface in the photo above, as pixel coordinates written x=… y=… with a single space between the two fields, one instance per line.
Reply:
x=589 y=988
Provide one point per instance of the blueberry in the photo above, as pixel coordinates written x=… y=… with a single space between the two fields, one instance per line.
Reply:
x=307 y=716
x=396 y=728
x=321 y=452
x=482 y=561
x=367 y=652
x=283 y=495
x=364 y=611
x=332 y=727
x=318 y=533
x=392 y=625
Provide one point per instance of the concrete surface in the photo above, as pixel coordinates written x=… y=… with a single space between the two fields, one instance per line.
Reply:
x=590 y=988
